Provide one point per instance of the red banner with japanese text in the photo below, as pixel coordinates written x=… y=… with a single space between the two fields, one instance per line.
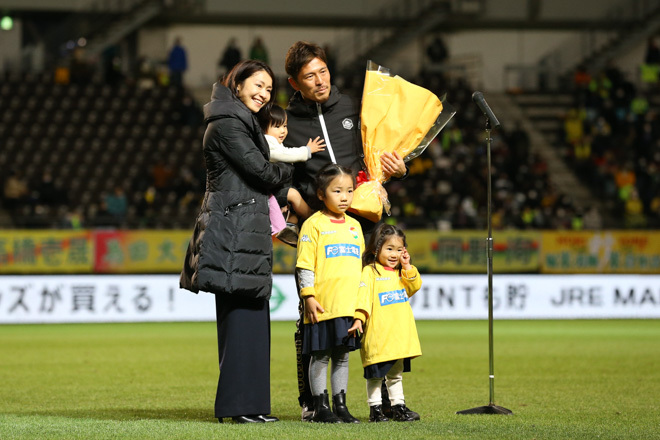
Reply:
x=140 y=251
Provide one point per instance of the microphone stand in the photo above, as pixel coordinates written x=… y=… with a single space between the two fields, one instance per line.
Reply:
x=491 y=408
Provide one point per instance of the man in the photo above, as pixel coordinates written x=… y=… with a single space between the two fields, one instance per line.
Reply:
x=177 y=61
x=319 y=109
x=230 y=57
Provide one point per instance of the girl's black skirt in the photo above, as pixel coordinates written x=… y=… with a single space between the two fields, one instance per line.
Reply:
x=381 y=369
x=329 y=334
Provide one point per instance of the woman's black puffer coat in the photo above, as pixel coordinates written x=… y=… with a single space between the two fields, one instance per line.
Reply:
x=231 y=247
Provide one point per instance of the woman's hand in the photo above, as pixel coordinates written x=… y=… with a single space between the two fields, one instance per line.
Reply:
x=316 y=145
x=405 y=260
x=311 y=307
x=356 y=327
x=393 y=165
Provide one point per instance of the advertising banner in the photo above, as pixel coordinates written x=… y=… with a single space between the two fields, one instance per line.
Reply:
x=35 y=252
x=452 y=252
x=456 y=252
x=119 y=298
x=284 y=258
x=144 y=298
x=538 y=297
x=140 y=251
x=465 y=251
x=601 y=252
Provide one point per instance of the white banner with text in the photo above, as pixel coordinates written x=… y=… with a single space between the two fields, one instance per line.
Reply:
x=142 y=298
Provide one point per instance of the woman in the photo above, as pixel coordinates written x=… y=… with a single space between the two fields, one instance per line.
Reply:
x=230 y=253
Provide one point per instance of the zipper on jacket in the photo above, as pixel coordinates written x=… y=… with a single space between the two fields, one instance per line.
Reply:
x=328 y=146
x=238 y=205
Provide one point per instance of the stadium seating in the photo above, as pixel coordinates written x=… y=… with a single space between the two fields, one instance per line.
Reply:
x=92 y=138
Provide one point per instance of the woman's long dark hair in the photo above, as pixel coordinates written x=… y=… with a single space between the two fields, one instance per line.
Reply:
x=243 y=71
x=378 y=238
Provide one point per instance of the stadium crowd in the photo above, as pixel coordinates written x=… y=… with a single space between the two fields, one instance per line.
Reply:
x=611 y=140
x=611 y=132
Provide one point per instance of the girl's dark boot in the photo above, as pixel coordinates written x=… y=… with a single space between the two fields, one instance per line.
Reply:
x=376 y=414
x=402 y=414
x=339 y=408
x=322 y=412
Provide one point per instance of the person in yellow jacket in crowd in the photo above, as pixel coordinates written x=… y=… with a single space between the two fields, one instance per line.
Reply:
x=383 y=312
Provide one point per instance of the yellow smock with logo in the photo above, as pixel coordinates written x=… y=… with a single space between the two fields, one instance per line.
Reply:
x=332 y=249
x=389 y=326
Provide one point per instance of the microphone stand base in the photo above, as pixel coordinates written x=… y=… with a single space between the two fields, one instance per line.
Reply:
x=488 y=409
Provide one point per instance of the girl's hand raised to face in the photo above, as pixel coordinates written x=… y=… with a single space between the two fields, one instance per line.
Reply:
x=405 y=259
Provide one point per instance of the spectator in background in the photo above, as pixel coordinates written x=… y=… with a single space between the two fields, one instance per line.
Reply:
x=581 y=81
x=191 y=114
x=73 y=219
x=146 y=74
x=519 y=144
x=47 y=192
x=186 y=186
x=111 y=61
x=81 y=70
x=652 y=52
x=650 y=68
x=101 y=217
x=258 y=51
x=230 y=57
x=146 y=207
x=177 y=62
x=15 y=191
x=331 y=60
x=161 y=174
x=437 y=51
x=592 y=219
x=116 y=203
x=634 y=211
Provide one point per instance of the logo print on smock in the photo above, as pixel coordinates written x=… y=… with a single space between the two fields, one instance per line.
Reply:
x=342 y=250
x=347 y=124
x=392 y=297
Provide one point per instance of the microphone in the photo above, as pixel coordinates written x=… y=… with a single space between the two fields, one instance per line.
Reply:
x=478 y=98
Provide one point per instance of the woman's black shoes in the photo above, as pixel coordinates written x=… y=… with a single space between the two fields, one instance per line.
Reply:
x=247 y=419
x=260 y=418
x=267 y=419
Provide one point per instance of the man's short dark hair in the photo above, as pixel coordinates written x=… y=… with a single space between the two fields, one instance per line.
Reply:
x=299 y=55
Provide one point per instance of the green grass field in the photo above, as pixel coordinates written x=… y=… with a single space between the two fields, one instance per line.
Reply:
x=562 y=380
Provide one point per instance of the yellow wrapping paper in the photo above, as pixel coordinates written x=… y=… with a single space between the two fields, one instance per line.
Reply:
x=396 y=116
